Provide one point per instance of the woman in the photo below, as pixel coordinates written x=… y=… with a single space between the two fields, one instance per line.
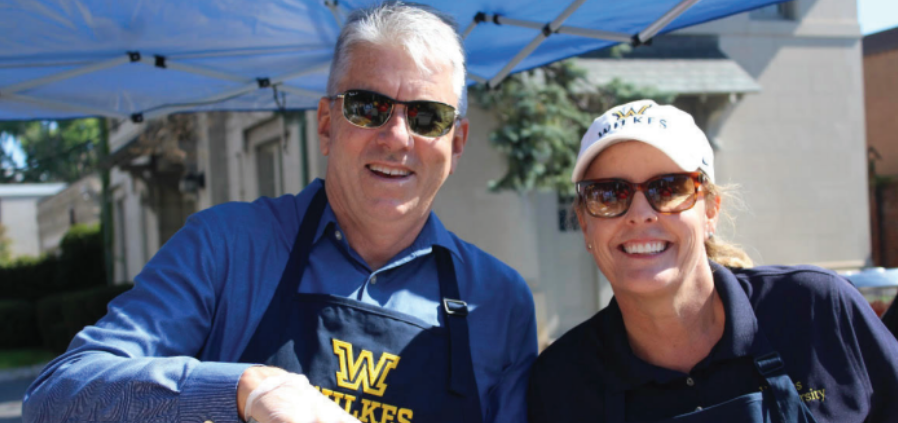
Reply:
x=691 y=335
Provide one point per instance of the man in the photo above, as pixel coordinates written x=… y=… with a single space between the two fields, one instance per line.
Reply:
x=358 y=301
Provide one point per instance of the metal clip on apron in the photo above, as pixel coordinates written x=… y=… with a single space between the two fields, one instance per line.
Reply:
x=779 y=403
x=378 y=364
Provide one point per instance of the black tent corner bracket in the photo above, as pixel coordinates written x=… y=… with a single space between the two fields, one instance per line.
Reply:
x=134 y=56
x=264 y=82
x=137 y=117
x=636 y=42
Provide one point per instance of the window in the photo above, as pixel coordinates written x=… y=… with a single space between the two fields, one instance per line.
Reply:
x=567 y=218
x=121 y=272
x=775 y=12
x=268 y=168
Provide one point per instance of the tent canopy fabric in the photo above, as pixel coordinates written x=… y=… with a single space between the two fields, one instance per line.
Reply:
x=138 y=59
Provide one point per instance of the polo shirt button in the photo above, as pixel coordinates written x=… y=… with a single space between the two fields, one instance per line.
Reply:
x=690 y=382
x=373 y=279
x=699 y=408
x=339 y=237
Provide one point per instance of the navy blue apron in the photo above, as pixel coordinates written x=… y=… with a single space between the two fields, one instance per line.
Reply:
x=778 y=403
x=379 y=365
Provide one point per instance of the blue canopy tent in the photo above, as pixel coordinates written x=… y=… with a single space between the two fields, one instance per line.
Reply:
x=135 y=59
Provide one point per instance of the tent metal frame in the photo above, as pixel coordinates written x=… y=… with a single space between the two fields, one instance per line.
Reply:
x=556 y=26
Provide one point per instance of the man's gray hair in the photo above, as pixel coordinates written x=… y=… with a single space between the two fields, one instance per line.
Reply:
x=425 y=33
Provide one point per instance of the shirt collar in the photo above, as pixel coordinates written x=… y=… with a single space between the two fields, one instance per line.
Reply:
x=432 y=234
x=625 y=370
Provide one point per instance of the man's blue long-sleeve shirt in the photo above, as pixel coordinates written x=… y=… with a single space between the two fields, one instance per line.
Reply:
x=166 y=349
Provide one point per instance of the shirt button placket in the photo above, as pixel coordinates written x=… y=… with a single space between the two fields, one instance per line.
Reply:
x=690 y=382
x=338 y=235
x=373 y=279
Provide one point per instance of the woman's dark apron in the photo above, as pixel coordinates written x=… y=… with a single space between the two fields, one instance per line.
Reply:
x=778 y=403
x=378 y=364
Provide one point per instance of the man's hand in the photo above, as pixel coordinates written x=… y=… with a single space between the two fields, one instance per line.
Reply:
x=273 y=395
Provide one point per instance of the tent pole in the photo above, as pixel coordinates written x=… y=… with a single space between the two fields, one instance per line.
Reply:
x=22 y=86
x=477 y=78
x=547 y=29
x=468 y=30
x=595 y=33
x=87 y=110
x=151 y=61
x=332 y=5
x=249 y=87
x=299 y=91
x=653 y=29
x=564 y=29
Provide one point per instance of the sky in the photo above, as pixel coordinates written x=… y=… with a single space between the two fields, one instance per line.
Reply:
x=877 y=15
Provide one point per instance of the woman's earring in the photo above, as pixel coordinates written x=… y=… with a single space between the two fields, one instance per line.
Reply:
x=589 y=246
x=710 y=235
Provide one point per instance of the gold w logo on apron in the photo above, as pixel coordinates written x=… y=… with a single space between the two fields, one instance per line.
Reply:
x=362 y=371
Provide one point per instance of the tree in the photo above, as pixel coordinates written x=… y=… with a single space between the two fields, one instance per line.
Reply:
x=5 y=247
x=543 y=114
x=55 y=151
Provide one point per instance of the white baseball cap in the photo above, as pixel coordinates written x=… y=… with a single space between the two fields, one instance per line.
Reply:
x=666 y=128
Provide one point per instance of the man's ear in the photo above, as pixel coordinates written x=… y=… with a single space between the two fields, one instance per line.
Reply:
x=459 y=139
x=324 y=125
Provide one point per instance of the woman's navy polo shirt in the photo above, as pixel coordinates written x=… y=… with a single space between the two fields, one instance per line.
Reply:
x=841 y=358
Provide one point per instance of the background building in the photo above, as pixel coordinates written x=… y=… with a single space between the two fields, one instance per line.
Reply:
x=881 y=100
x=18 y=213
x=78 y=203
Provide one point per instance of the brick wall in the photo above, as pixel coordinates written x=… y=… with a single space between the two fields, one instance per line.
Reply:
x=884 y=224
x=881 y=104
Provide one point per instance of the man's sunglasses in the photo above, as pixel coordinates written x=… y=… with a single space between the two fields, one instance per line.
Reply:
x=367 y=109
x=672 y=193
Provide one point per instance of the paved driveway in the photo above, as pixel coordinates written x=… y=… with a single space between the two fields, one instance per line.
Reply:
x=11 y=393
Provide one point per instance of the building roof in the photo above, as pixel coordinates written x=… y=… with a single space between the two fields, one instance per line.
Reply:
x=30 y=190
x=677 y=76
x=677 y=64
x=881 y=42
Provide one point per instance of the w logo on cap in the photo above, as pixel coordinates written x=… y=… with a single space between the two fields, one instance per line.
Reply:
x=623 y=113
x=362 y=372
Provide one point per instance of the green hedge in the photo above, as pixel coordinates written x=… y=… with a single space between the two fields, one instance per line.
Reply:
x=29 y=279
x=81 y=259
x=60 y=317
x=78 y=266
x=18 y=328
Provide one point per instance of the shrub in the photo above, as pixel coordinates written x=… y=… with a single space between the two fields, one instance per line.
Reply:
x=81 y=259
x=18 y=328
x=60 y=317
x=29 y=278
x=79 y=266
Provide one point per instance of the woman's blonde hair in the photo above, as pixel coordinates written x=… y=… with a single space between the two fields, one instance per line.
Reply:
x=718 y=250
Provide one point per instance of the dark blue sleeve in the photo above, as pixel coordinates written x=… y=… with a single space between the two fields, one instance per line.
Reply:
x=875 y=351
x=137 y=363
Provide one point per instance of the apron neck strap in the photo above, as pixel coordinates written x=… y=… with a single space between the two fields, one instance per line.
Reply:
x=302 y=246
x=455 y=311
